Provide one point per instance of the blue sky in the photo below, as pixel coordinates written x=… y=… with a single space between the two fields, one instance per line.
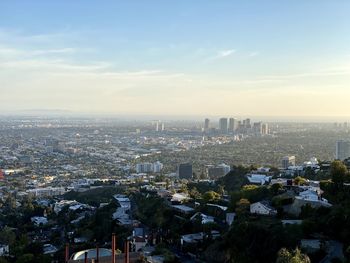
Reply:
x=177 y=57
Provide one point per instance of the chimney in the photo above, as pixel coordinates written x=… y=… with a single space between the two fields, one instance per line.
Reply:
x=113 y=248
x=85 y=257
x=97 y=254
x=126 y=251
x=66 y=257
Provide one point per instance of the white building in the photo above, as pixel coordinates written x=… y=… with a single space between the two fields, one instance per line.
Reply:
x=262 y=208
x=144 y=168
x=63 y=203
x=259 y=179
x=288 y=161
x=39 y=220
x=149 y=167
x=123 y=201
x=203 y=218
x=47 y=191
x=342 y=150
x=157 y=167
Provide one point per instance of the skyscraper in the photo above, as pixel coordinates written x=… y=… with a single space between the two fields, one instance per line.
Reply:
x=265 y=129
x=223 y=125
x=232 y=125
x=206 y=124
x=257 y=128
x=184 y=171
x=342 y=150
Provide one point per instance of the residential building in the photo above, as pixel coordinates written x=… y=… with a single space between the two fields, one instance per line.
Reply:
x=262 y=208
x=342 y=151
x=203 y=218
x=144 y=168
x=260 y=179
x=39 y=220
x=157 y=167
x=288 y=161
x=149 y=167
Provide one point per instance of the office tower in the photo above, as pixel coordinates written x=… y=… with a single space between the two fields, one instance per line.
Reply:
x=247 y=124
x=184 y=171
x=265 y=129
x=342 y=150
x=157 y=167
x=232 y=125
x=257 y=128
x=157 y=126
x=206 y=124
x=223 y=125
x=288 y=161
x=220 y=170
x=163 y=126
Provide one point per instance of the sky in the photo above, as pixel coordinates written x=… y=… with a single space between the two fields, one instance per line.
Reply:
x=222 y=58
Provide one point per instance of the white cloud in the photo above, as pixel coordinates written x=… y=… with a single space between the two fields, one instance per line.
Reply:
x=253 y=54
x=225 y=53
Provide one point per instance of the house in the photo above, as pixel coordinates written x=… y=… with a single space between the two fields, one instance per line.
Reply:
x=197 y=237
x=123 y=201
x=49 y=249
x=292 y=222
x=179 y=198
x=262 y=208
x=183 y=209
x=230 y=218
x=260 y=179
x=62 y=204
x=203 y=218
x=311 y=245
x=4 y=250
x=312 y=196
x=39 y=220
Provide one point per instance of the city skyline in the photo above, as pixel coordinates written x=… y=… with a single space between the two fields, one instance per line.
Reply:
x=265 y=58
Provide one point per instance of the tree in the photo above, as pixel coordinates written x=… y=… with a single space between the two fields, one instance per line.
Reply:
x=7 y=236
x=339 y=173
x=299 y=180
x=295 y=256
x=25 y=258
x=210 y=196
x=276 y=188
x=242 y=207
x=194 y=193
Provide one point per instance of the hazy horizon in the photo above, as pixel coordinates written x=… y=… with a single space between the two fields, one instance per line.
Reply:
x=223 y=58
x=45 y=113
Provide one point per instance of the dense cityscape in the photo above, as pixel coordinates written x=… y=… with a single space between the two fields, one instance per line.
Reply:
x=75 y=190
x=174 y=131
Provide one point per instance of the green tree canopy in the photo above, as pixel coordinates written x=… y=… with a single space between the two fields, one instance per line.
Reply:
x=295 y=256
x=339 y=172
